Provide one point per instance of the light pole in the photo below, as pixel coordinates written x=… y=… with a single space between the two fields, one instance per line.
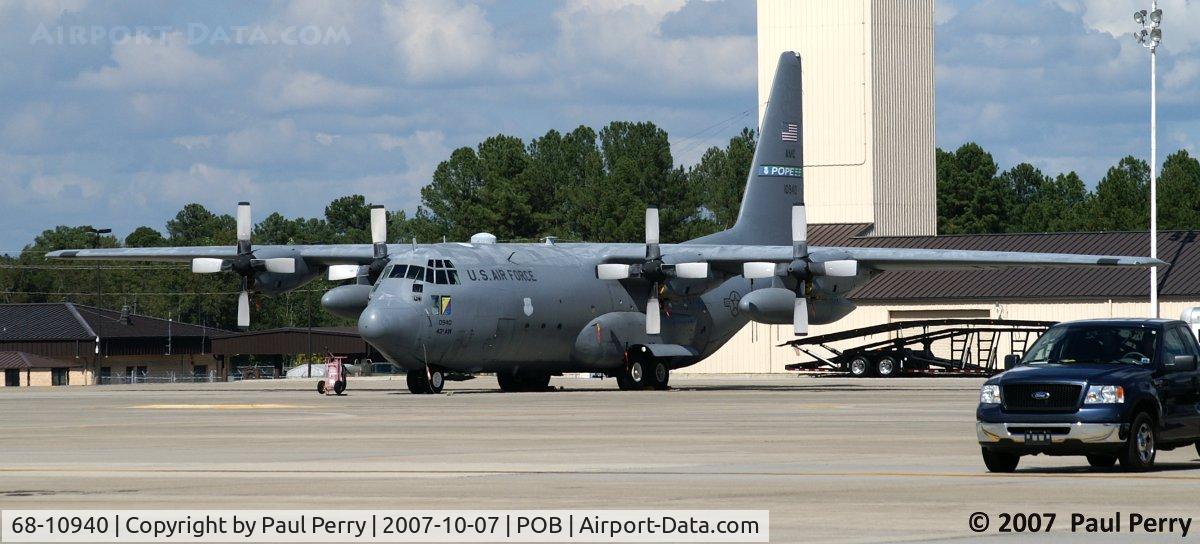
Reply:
x=1149 y=37
x=99 y=322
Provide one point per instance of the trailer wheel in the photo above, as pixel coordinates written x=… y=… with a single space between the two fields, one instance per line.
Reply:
x=321 y=387
x=339 y=387
x=861 y=367
x=887 y=366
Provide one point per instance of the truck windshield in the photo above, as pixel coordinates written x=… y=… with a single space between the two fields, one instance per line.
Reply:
x=1094 y=344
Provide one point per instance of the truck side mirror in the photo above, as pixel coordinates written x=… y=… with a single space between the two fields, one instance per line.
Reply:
x=1011 y=361
x=1183 y=362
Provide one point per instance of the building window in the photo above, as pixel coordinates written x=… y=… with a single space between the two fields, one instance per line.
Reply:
x=58 y=376
x=200 y=371
x=12 y=378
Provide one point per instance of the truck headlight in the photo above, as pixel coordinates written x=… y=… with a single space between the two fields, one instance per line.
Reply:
x=989 y=394
x=1105 y=394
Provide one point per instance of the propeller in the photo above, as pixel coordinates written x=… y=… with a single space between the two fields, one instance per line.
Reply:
x=340 y=272
x=654 y=270
x=244 y=264
x=805 y=267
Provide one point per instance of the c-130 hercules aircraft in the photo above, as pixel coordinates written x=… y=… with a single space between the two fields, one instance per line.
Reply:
x=633 y=311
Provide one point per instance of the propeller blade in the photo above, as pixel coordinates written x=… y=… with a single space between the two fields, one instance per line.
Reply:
x=281 y=265
x=610 y=271
x=799 y=231
x=757 y=270
x=244 y=310
x=205 y=265
x=243 y=222
x=378 y=225
x=652 y=233
x=691 y=270
x=835 y=269
x=653 y=313
x=340 y=272
x=800 y=315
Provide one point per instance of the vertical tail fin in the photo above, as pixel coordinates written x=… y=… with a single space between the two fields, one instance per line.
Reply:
x=776 y=179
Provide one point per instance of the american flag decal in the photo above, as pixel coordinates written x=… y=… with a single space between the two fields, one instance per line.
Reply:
x=791 y=132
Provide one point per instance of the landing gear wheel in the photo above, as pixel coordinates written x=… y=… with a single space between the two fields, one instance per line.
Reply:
x=998 y=461
x=861 y=366
x=1141 y=446
x=339 y=387
x=659 y=374
x=435 y=381
x=887 y=366
x=1102 y=461
x=416 y=382
x=633 y=377
x=321 y=387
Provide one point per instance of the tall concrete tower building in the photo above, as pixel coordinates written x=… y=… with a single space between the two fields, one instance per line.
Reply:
x=868 y=107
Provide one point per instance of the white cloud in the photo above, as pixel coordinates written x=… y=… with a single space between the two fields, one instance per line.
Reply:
x=68 y=185
x=193 y=142
x=144 y=62
x=298 y=90
x=443 y=40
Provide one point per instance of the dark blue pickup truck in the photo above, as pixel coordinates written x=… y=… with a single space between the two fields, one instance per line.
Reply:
x=1110 y=389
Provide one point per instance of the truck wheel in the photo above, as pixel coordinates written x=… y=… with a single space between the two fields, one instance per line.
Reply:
x=321 y=387
x=1102 y=461
x=887 y=366
x=861 y=367
x=999 y=461
x=339 y=387
x=1142 y=445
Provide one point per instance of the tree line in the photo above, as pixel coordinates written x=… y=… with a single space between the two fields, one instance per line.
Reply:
x=584 y=185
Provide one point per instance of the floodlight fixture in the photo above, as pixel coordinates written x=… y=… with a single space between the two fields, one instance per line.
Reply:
x=1156 y=17
x=1140 y=16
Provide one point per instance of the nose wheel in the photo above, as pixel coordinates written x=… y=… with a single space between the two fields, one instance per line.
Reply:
x=427 y=382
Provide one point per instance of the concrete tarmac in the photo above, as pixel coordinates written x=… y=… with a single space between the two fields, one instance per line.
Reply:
x=833 y=459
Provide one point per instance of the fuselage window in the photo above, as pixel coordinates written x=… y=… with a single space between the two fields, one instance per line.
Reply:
x=399 y=271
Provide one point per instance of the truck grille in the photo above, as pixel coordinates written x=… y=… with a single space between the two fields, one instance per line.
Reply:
x=1023 y=396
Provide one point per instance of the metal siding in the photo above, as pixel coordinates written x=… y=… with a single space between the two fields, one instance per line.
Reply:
x=902 y=102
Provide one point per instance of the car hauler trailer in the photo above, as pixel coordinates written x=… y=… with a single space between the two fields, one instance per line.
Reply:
x=908 y=347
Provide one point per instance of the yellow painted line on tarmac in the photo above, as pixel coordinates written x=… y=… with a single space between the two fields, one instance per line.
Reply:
x=266 y=406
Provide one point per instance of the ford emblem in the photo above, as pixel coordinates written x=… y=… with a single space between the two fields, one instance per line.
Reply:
x=1041 y=395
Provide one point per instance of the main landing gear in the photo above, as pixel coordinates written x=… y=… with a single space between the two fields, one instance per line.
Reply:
x=515 y=381
x=644 y=372
x=427 y=382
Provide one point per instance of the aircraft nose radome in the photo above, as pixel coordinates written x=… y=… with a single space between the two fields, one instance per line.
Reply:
x=374 y=325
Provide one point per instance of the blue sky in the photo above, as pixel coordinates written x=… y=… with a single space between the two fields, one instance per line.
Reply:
x=290 y=104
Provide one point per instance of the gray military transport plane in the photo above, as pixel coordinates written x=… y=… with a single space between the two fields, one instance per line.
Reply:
x=633 y=311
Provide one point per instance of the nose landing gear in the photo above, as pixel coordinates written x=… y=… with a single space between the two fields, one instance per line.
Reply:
x=429 y=382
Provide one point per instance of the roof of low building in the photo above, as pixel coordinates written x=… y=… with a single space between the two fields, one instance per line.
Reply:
x=22 y=360
x=1180 y=278
x=70 y=321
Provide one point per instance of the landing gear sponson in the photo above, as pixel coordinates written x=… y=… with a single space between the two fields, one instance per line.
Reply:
x=516 y=381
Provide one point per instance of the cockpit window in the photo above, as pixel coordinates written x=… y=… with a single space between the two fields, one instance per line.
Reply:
x=440 y=276
x=428 y=275
x=453 y=276
x=415 y=272
x=398 y=271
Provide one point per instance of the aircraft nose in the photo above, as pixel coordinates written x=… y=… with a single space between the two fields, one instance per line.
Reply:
x=389 y=329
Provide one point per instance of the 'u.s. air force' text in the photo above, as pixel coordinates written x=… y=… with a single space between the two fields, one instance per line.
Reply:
x=501 y=274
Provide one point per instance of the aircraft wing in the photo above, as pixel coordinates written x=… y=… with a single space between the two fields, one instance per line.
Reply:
x=729 y=258
x=313 y=254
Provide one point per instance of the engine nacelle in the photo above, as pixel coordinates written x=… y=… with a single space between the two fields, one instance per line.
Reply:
x=347 y=301
x=774 y=306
